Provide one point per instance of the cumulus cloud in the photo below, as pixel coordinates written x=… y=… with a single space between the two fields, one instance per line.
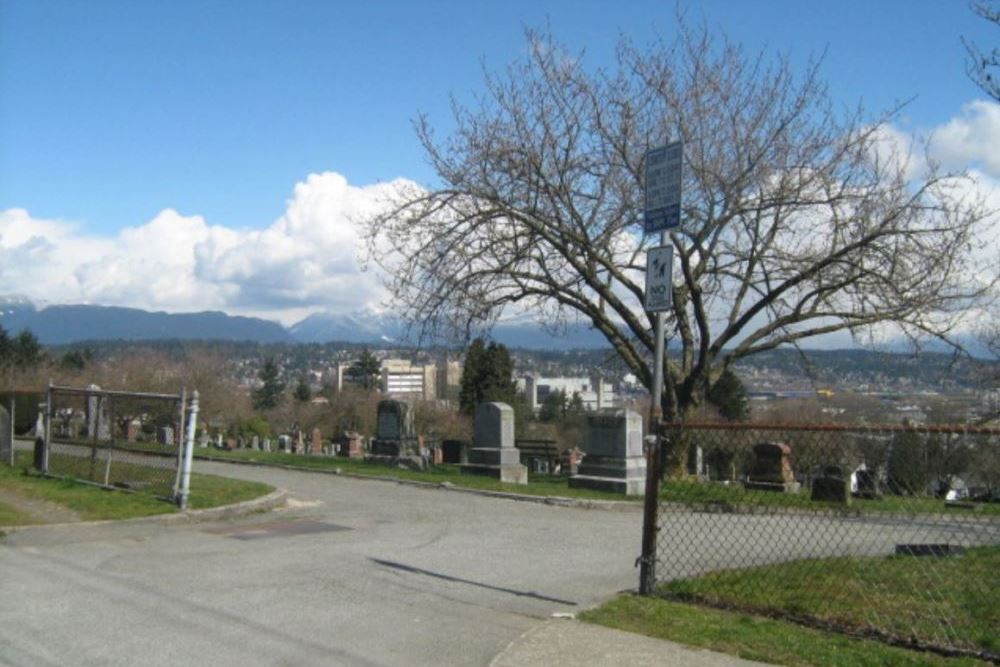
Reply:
x=304 y=262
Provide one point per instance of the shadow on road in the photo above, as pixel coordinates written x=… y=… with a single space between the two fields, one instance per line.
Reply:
x=447 y=577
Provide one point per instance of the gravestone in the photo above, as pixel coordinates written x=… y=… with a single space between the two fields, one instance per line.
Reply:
x=454 y=451
x=831 y=487
x=493 y=453
x=867 y=484
x=316 y=442
x=132 y=430
x=613 y=457
x=165 y=435
x=285 y=443
x=299 y=444
x=569 y=461
x=98 y=423
x=203 y=439
x=695 y=461
x=39 y=428
x=218 y=440
x=352 y=447
x=6 y=439
x=266 y=446
x=255 y=443
x=396 y=442
x=771 y=469
x=720 y=465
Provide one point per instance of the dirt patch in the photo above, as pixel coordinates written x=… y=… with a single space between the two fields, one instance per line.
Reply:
x=40 y=511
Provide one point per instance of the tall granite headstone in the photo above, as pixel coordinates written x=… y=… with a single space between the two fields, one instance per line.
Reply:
x=613 y=457
x=316 y=442
x=395 y=440
x=493 y=453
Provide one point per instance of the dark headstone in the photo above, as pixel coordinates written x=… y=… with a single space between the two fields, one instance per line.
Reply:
x=771 y=469
x=831 y=487
x=867 y=483
x=454 y=451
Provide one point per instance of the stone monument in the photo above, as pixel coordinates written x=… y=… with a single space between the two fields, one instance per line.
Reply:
x=316 y=442
x=831 y=487
x=351 y=446
x=493 y=453
x=613 y=457
x=771 y=469
x=396 y=442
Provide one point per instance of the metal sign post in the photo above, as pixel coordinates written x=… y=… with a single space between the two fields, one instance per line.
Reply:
x=662 y=212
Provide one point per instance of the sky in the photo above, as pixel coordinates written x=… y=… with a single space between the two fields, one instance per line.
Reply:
x=186 y=155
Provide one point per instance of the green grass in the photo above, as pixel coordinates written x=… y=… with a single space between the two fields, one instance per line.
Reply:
x=696 y=493
x=720 y=496
x=10 y=516
x=538 y=485
x=92 y=503
x=755 y=638
x=899 y=596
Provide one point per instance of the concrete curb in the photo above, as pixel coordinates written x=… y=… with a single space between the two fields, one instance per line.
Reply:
x=271 y=501
x=556 y=501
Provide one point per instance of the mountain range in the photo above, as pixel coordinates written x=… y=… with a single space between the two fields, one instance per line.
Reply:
x=65 y=324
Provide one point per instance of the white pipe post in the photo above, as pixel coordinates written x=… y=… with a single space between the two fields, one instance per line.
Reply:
x=192 y=426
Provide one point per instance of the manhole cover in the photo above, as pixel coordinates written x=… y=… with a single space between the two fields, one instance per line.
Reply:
x=276 y=529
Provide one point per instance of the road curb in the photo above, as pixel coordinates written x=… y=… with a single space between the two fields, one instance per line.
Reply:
x=555 y=501
x=271 y=501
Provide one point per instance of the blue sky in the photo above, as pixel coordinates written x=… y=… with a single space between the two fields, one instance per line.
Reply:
x=113 y=113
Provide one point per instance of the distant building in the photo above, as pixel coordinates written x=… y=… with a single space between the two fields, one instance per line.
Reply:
x=401 y=378
x=595 y=393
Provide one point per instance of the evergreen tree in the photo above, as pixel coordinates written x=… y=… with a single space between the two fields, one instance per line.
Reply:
x=27 y=350
x=729 y=395
x=366 y=372
x=268 y=395
x=553 y=406
x=488 y=375
x=302 y=391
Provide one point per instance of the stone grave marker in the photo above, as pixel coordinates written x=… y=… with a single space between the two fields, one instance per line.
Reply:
x=132 y=430
x=493 y=453
x=395 y=440
x=352 y=446
x=831 y=487
x=867 y=484
x=613 y=456
x=165 y=435
x=255 y=443
x=316 y=442
x=771 y=469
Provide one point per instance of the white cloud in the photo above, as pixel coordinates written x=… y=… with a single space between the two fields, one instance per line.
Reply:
x=305 y=261
x=971 y=139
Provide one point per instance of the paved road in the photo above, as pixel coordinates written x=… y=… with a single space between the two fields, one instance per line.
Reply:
x=390 y=575
x=367 y=572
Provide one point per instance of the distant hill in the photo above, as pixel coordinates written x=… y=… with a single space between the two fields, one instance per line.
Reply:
x=369 y=327
x=58 y=325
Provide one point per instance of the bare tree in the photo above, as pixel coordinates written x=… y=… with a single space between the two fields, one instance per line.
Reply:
x=981 y=65
x=798 y=220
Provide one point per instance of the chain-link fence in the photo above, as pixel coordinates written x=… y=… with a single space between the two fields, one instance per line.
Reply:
x=121 y=439
x=887 y=532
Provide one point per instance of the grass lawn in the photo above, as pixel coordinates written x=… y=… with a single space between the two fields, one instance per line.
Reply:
x=722 y=495
x=899 y=596
x=755 y=638
x=687 y=492
x=538 y=485
x=10 y=516
x=93 y=503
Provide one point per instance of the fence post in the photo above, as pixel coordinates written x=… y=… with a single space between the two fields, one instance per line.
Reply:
x=192 y=426
x=647 y=561
x=46 y=447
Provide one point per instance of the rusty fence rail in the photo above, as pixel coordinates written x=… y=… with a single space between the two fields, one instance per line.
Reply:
x=889 y=532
